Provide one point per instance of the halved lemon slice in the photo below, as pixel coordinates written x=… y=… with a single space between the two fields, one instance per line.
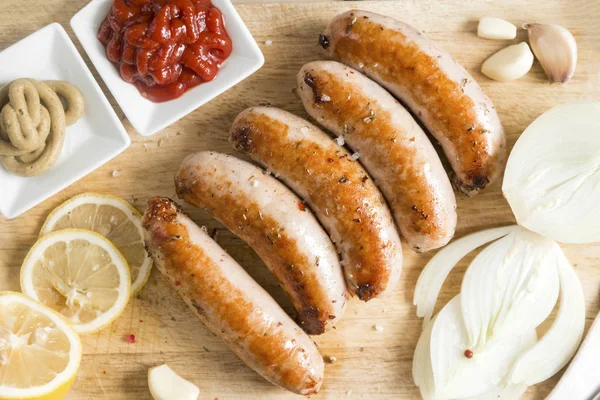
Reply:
x=81 y=275
x=39 y=352
x=113 y=218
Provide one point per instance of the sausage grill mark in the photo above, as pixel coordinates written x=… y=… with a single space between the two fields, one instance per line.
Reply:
x=310 y=81
x=241 y=140
x=310 y=321
x=323 y=41
x=365 y=291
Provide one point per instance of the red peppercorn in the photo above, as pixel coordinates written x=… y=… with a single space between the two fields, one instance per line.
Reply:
x=469 y=353
x=130 y=339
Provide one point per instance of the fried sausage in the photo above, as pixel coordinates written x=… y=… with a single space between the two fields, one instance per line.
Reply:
x=335 y=186
x=441 y=93
x=275 y=223
x=229 y=302
x=392 y=147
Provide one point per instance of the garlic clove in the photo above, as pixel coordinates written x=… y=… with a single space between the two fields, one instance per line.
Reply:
x=496 y=28
x=165 y=384
x=555 y=48
x=510 y=63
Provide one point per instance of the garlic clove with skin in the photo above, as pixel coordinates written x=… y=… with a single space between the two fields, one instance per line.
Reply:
x=508 y=64
x=555 y=48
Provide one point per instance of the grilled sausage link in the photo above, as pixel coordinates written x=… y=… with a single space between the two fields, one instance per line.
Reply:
x=392 y=147
x=274 y=222
x=447 y=100
x=229 y=302
x=336 y=187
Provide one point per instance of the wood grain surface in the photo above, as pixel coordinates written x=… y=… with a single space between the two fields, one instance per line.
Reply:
x=370 y=364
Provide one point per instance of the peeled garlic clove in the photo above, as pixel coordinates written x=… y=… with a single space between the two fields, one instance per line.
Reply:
x=556 y=50
x=496 y=28
x=165 y=384
x=510 y=63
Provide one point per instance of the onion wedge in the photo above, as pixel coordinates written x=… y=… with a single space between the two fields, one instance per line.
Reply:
x=437 y=269
x=510 y=392
x=421 y=370
x=456 y=376
x=558 y=345
x=509 y=288
x=582 y=378
x=552 y=178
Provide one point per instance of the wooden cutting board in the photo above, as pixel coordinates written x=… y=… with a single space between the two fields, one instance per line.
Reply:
x=370 y=364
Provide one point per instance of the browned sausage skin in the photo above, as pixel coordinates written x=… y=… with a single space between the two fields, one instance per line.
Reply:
x=273 y=221
x=335 y=186
x=441 y=93
x=392 y=147
x=229 y=302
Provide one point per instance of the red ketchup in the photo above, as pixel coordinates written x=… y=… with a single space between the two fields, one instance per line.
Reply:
x=165 y=47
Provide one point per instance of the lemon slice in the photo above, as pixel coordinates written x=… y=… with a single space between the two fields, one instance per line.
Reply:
x=81 y=275
x=39 y=352
x=113 y=218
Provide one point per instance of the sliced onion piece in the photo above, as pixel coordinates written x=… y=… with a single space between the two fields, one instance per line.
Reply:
x=552 y=179
x=510 y=392
x=509 y=288
x=456 y=376
x=558 y=345
x=580 y=381
x=421 y=370
x=437 y=269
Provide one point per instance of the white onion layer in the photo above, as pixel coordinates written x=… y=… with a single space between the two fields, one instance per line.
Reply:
x=437 y=269
x=510 y=392
x=509 y=288
x=582 y=378
x=455 y=376
x=552 y=178
x=421 y=371
x=558 y=345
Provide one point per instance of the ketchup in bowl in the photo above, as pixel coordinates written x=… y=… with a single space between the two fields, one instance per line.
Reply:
x=165 y=47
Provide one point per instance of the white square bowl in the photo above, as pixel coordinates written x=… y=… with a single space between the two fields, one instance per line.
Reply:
x=148 y=117
x=97 y=137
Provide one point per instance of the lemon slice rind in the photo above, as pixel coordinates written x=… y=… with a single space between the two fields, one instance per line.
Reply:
x=105 y=199
x=63 y=380
x=124 y=288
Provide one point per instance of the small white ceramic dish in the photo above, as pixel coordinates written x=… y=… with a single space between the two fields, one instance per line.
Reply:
x=147 y=117
x=95 y=139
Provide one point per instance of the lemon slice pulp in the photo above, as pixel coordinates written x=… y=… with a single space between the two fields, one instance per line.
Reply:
x=39 y=352
x=113 y=218
x=81 y=275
